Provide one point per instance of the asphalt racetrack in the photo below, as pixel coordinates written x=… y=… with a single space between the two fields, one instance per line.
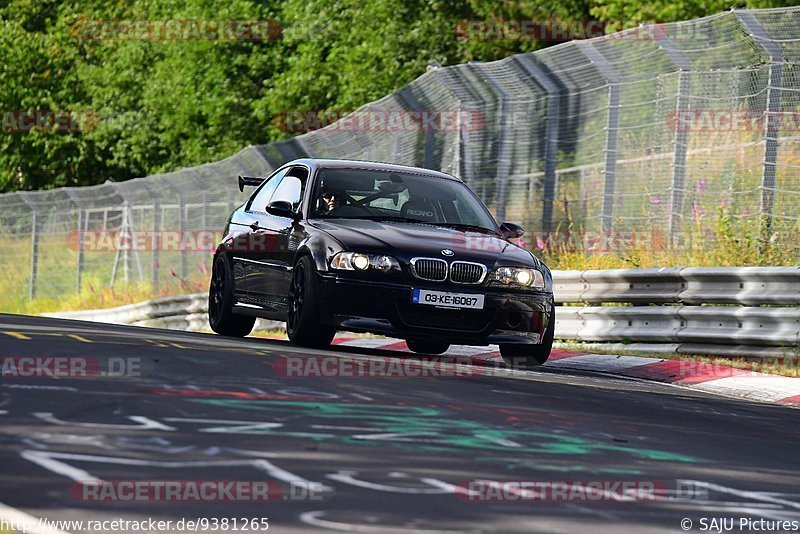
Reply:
x=477 y=450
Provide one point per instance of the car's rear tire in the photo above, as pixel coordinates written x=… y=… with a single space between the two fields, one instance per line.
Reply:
x=302 y=319
x=422 y=346
x=220 y=302
x=521 y=356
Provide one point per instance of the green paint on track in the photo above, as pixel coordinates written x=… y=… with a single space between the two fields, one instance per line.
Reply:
x=430 y=429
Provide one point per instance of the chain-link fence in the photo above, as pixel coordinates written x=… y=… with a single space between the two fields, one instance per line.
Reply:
x=658 y=129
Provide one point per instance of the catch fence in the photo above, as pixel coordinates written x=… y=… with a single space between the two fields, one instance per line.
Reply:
x=645 y=137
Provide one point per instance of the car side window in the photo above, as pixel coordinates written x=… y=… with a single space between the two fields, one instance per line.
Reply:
x=260 y=199
x=291 y=188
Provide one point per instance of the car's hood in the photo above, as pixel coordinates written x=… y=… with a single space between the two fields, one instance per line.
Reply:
x=407 y=240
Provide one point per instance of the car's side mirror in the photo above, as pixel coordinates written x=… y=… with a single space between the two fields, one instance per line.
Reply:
x=511 y=230
x=282 y=208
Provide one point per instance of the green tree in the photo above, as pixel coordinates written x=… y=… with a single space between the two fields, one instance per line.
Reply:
x=166 y=104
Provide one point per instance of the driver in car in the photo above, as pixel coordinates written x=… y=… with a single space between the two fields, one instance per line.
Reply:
x=330 y=201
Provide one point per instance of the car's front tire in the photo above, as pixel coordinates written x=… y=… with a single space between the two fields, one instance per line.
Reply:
x=427 y=346
x=302 y=320
x=521 y=356
x=220 y=302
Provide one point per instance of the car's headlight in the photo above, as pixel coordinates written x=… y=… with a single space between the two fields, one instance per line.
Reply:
x=356 y=261
x=518 y=276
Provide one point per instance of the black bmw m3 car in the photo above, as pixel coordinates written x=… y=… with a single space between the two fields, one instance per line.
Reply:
x=329 y=245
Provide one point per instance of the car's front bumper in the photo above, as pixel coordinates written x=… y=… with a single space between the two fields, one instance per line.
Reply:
x=385 y=308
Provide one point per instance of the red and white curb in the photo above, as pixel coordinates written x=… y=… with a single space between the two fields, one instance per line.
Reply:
x=720 y=379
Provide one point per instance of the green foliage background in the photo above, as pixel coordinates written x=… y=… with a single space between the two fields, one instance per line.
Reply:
x=163 y=105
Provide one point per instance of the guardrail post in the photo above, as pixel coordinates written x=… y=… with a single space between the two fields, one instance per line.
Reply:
x=535 y=71
x=612 y=76
x=34 y=264
x=773 y=108
x=682 y=103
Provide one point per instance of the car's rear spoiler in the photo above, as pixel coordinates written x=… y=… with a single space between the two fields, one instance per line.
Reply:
x=253 y=181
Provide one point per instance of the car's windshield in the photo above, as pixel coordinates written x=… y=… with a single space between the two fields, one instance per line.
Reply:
x=398 y=196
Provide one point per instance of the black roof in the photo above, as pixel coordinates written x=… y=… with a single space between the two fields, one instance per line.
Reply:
x=371 y=165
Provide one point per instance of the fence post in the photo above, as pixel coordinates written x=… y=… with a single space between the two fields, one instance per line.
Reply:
x=772 y=120
x=411 y=102
x=159 y=236
x=183 y=213
x=127 y=226
x=682 y=103
x=82 y=221
x=34 y=264
x=466 y=161
x=503 y=146
x=612 y=76
x=543 y=79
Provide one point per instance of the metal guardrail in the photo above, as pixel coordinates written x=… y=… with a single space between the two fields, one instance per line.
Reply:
x=713 y=325
x=760 y=311
x=716 y=310
x=181 y=312
x=150 y=313
x=752 y=286
x=745 y=285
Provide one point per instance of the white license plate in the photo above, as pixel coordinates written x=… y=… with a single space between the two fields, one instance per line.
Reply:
x=442 y=299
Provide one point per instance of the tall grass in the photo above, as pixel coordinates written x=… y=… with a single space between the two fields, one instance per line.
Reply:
x=724 y=240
